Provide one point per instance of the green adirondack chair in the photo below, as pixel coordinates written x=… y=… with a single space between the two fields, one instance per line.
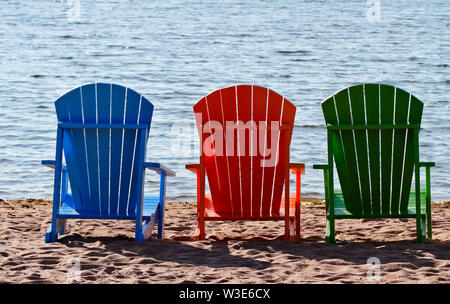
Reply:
x=373 y=137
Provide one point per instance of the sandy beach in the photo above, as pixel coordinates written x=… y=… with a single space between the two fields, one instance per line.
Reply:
x=233 y=252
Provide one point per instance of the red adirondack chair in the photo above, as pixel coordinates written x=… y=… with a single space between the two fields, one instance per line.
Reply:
x=245 y=133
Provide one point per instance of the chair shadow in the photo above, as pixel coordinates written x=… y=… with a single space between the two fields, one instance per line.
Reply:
x=216 y=253
x=358 y=252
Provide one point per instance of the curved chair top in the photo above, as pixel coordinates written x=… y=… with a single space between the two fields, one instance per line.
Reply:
x=104 y=103
x=359 y=104
x=245 y=95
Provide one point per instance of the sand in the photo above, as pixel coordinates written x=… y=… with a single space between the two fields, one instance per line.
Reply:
x=233 y=252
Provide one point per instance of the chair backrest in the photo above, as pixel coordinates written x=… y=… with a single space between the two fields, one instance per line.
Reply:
x=245 y=161
x=374 y=134
x=102 y=163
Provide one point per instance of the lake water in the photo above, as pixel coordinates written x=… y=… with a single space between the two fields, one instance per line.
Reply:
x=174 y=53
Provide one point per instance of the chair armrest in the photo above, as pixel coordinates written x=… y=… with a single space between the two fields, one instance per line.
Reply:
x=322 y=167
x=427 y=164
x=51 y=164
x=157 y=167
x=194 y=168
x=295 y=167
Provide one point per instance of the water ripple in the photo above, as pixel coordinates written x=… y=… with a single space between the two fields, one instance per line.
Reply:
x=175 y=53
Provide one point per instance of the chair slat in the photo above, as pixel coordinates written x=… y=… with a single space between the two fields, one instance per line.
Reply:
x=329 y=112
x=127 y=200
x=244 y=114
x=77 y=158
x=89 y=107
x=117 y=116
x=272 y=190
x=415 y=116
x=373 y=136
x=344 y=116
x=104 y=116
x=229 y=108
x=63 y=113
x=359 y=117
x=217 y=165
x=286 y=116
x=387 y=117
x=400 y=116
x=260 y=101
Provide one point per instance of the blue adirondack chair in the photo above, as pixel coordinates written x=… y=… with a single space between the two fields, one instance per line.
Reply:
x=103 y=130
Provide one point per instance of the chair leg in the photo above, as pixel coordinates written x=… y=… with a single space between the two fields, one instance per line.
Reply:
x=161 y=206
x=429 y=229
x=160 y=221
x=50 y=235
x=424 y=229
x=297 y=224
x=287 y=230
x=200 y=231
x=63 y=229
x=421 y=229
x=56 y=226
x=330 y=234
x=139 y=235
x=292 y=229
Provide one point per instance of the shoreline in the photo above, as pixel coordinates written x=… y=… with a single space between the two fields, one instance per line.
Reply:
x=305 y=201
